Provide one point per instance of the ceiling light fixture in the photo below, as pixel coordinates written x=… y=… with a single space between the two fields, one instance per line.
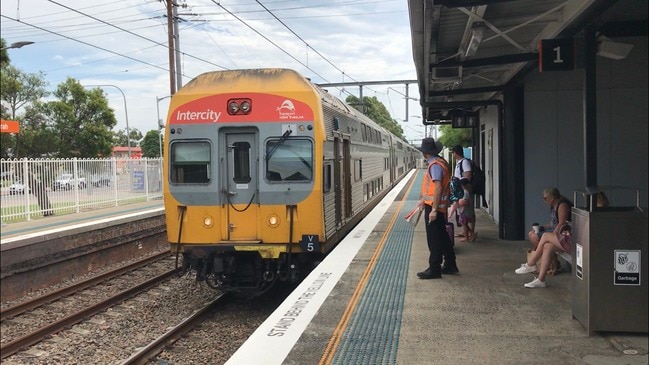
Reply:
x=475 y=38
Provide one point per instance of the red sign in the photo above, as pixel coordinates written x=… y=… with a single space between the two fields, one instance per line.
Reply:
x=264 y=108
x=9 y=126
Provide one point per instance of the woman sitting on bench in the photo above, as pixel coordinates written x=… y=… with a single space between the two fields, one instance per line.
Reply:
x=559 y=214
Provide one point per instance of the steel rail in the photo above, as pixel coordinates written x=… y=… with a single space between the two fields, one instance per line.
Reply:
x=41 y=333
x=154 y=348
x=21 y=308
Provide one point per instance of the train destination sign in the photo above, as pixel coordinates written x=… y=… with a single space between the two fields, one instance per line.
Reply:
x=627 y=267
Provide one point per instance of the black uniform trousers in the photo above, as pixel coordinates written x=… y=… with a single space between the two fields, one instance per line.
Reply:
x=439 y=243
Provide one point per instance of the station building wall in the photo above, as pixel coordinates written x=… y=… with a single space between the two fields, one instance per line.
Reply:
x=554 y=138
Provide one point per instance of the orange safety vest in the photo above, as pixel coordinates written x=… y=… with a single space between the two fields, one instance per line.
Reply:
x=428 y=187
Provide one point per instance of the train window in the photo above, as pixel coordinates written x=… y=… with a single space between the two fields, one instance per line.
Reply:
x=190 y=162
x=326 y=178
x=358 y=170
x=364 y=132
x=289 y=160
x=241 y=152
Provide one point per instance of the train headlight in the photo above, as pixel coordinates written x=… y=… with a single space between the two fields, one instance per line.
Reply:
x=240 y=106
x=273 y=220
x=233 y=107
x=208 y=222
x=245 y=107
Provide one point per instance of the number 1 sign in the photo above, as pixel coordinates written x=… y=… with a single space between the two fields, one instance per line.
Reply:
x=556 y=54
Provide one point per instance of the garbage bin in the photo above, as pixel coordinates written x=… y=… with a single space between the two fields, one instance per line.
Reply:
x=609 y=260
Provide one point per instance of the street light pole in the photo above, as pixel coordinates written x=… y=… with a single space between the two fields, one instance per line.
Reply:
x=160 y=124
x=17 y=45
x=128 y=130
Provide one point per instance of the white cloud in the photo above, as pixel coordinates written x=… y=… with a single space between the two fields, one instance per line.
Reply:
x=368 y=40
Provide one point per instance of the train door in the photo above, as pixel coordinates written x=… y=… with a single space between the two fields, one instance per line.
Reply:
x=240 y=185
x=392 y=164
x=338 y=187
x=347 y=177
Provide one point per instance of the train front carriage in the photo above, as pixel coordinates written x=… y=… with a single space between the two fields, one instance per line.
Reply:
x=242 y=192
x=266 y=172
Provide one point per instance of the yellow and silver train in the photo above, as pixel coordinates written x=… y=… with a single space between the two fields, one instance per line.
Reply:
x=266 y=172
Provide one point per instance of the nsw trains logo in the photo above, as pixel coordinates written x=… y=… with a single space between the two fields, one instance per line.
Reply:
x=287 y=111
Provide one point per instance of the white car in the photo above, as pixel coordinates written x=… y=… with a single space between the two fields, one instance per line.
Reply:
x=18 y=188
x=67 y=182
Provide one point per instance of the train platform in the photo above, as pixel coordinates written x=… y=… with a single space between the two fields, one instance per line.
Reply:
x=43 y=228
x=365 y=305
x=42 y=252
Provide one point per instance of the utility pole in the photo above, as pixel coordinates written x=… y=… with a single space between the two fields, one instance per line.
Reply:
x=170 y=40
x=179 y=73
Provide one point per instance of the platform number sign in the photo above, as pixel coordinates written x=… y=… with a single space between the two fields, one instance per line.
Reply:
x=310 y=243
x=627 y=267
x=556 y=54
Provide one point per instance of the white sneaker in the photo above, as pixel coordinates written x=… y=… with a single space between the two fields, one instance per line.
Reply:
x=536 y=283
x=525 y=269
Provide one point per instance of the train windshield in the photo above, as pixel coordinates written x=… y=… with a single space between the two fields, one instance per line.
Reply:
x=190 y=162
x=290 y=160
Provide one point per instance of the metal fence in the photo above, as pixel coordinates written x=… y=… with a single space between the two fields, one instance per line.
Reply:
x=32 y=188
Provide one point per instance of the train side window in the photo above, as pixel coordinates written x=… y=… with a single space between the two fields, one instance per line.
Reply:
x=289 y=160
x=326 y=178
x=190 y=162
x=358 y=170
x=241 y=152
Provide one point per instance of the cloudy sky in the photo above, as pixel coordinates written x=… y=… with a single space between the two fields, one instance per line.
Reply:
x=123 y=43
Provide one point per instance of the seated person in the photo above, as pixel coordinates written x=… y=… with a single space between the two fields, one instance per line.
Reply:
x=547 y=246
x=559 y=214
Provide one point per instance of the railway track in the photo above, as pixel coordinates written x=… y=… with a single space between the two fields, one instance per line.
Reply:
x=35 y=336
x=156 y=346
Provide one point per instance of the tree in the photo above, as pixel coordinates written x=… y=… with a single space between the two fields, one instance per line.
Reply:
x=119 y=137
x=455 y=136
x=376 y=111
x=151 y=144
x=20 y=94
x=82 y=120
x=4 y=56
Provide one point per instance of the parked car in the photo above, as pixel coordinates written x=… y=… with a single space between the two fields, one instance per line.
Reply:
x=99 y=180
x=18 y=188
x=67 y=182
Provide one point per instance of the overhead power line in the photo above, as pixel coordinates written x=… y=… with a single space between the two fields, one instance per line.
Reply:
x=267 y=39
x=134 y=34
x=87 y=44
x=300 y=38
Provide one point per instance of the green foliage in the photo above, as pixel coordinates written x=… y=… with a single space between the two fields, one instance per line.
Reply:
x=376 y=111
x=20 y=94
x=455 y=136
x=82 y=119
x=4 y=56
x=151 y=144
x=119 y=137
x=78 y=123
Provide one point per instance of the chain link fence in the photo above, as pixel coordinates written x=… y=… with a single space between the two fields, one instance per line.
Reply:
x=33 y=188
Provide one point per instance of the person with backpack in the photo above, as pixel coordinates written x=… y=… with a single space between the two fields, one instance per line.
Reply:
x=463 y=170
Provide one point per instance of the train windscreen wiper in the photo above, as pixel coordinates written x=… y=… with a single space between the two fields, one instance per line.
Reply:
x=281 y=140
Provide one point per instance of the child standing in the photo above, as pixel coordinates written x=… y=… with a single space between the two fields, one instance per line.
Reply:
x=466 y=212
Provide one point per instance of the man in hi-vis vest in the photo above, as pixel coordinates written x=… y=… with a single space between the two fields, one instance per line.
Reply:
x=435 y=191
